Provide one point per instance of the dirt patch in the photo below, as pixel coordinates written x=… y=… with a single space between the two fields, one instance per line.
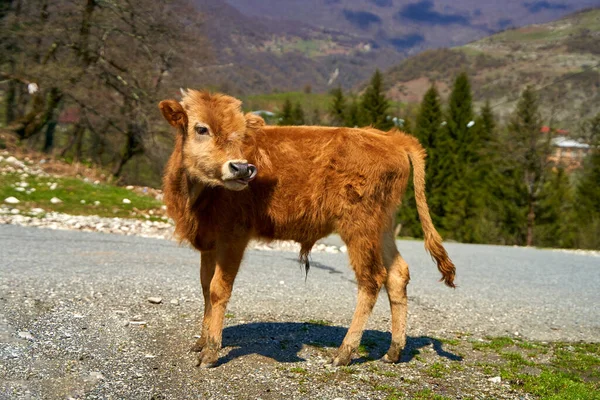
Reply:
x=414 y=90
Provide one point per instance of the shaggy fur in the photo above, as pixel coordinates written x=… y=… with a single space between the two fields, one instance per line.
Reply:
x=311 y=182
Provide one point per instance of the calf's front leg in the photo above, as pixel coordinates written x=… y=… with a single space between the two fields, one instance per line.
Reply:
x=207 y=271
x=228 y=258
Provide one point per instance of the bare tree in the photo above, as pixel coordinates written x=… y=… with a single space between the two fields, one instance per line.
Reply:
x=111 y=60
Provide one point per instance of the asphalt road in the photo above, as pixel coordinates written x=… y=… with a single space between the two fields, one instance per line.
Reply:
x=68 y=299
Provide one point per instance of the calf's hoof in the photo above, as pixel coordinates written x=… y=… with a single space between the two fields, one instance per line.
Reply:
x=198 y=346
x=341 y=359
x=390 y=359
x=207 y=358
x=393 y=354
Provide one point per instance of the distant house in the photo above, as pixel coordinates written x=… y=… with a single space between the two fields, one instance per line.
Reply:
x=566 y=151
x=268 y=116
x=264 y=113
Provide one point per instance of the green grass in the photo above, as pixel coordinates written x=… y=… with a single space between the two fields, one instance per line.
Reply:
x=274 y=101
x=572 y=373
x=427 y=394
x=494 y=343
x=393 y=392
x=71 y=191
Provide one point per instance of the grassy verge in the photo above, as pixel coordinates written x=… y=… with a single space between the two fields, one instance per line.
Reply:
x=547 y=370
x=77 y=197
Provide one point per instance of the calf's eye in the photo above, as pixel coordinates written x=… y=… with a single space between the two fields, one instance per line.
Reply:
x=202 y=130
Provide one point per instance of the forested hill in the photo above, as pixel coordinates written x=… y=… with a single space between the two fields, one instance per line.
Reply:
x=561 y=58
x=266 y=46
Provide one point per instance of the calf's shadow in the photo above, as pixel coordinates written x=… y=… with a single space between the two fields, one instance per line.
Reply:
x=282 y=342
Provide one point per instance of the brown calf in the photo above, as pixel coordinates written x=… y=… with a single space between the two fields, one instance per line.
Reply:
x=231 y=179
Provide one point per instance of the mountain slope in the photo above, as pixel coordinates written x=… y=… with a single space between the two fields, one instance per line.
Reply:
x=258 y=55
x=409 y=25
x=561 y=58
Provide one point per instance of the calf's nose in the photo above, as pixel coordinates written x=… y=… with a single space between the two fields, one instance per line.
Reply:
x=238 y=169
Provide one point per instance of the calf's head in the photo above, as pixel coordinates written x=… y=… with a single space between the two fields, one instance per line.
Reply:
x=213 y=130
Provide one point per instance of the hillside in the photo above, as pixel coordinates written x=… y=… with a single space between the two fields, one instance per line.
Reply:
x=266 y=46
x=562 y=58
x=259 y=55
x=411 y=26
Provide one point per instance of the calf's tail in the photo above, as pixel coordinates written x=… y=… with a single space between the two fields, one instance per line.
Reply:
x=433 y=241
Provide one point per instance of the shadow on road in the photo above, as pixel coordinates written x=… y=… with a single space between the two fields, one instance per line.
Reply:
x=282 y=341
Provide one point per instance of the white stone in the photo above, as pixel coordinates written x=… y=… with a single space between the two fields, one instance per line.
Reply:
x=174 y=302
x=25 y=335
x=55 y=200
x=11 y=200
x=126 y=201
x=23 y=184
x=53 y=186
x=495 y=379
x=36 y=210
x=129 y=187
x=95 y=375
x=155 y=300
x=96 y=203
x=14 y=211
x=82 y=201
x=96 y=182
x=20 y=189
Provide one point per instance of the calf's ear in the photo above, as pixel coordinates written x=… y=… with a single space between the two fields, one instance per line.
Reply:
x=254 y=121
x=173 y=113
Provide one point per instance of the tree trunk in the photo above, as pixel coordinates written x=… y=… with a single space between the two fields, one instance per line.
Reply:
x=84 y=32
x=10 y=98
x=132 y=146
x=49 y=140
x=530 y=223
x=34 y=122
x=75 y=137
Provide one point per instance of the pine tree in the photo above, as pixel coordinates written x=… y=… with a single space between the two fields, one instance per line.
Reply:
x=316 y=117
x=427 y=130
x=588 y=190
x=488 y=182
x=407 y=127
x=337 y=108
x=460 y=144
x=354 y=115
x=528 y=150
x=298 y=115
x=487 y=123
x=555 y=223
x=286 y=117
x=375 y=105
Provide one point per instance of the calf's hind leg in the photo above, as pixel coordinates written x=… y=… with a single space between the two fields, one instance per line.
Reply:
x=395 y=285
x=365 y=258
x=207 y=271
